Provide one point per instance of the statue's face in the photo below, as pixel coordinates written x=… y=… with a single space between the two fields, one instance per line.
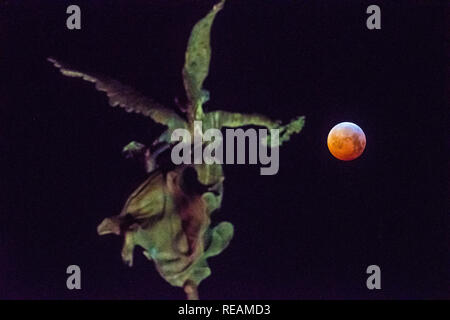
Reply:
x=205 y=96
x=198 y=112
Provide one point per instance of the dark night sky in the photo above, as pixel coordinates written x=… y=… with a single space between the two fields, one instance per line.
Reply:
x=308 y=232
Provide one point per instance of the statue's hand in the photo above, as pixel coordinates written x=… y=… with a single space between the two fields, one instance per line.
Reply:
x=133 y=150
x=295 y=126
x=285 y=131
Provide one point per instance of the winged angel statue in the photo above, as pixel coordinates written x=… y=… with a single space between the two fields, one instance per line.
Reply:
x=168 y=215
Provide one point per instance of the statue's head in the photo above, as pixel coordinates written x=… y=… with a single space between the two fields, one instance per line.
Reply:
x=198 y=107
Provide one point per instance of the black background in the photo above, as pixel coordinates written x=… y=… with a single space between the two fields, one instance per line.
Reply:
x=308 y=232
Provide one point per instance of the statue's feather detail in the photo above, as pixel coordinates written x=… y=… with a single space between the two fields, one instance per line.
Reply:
x=125 y=96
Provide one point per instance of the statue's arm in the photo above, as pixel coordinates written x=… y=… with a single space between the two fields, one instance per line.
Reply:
x=231 y=119
x=234 y=119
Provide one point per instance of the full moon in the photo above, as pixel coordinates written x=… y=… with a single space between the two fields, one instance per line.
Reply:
x=346 y=141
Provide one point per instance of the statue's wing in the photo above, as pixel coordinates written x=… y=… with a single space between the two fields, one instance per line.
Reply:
x=198 y=56
x=125 y=97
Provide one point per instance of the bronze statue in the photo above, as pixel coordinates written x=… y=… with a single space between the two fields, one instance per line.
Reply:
x=169 y=214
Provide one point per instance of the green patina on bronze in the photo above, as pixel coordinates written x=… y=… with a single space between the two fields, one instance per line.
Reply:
x=169 y=215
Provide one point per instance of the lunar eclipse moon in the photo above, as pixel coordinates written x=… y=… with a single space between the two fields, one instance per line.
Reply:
x=346 y=141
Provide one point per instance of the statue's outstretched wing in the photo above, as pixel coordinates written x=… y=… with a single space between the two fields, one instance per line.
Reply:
x=126 y=97
x=198 y=56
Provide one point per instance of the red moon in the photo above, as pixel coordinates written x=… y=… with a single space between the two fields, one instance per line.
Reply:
x=346 y=141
